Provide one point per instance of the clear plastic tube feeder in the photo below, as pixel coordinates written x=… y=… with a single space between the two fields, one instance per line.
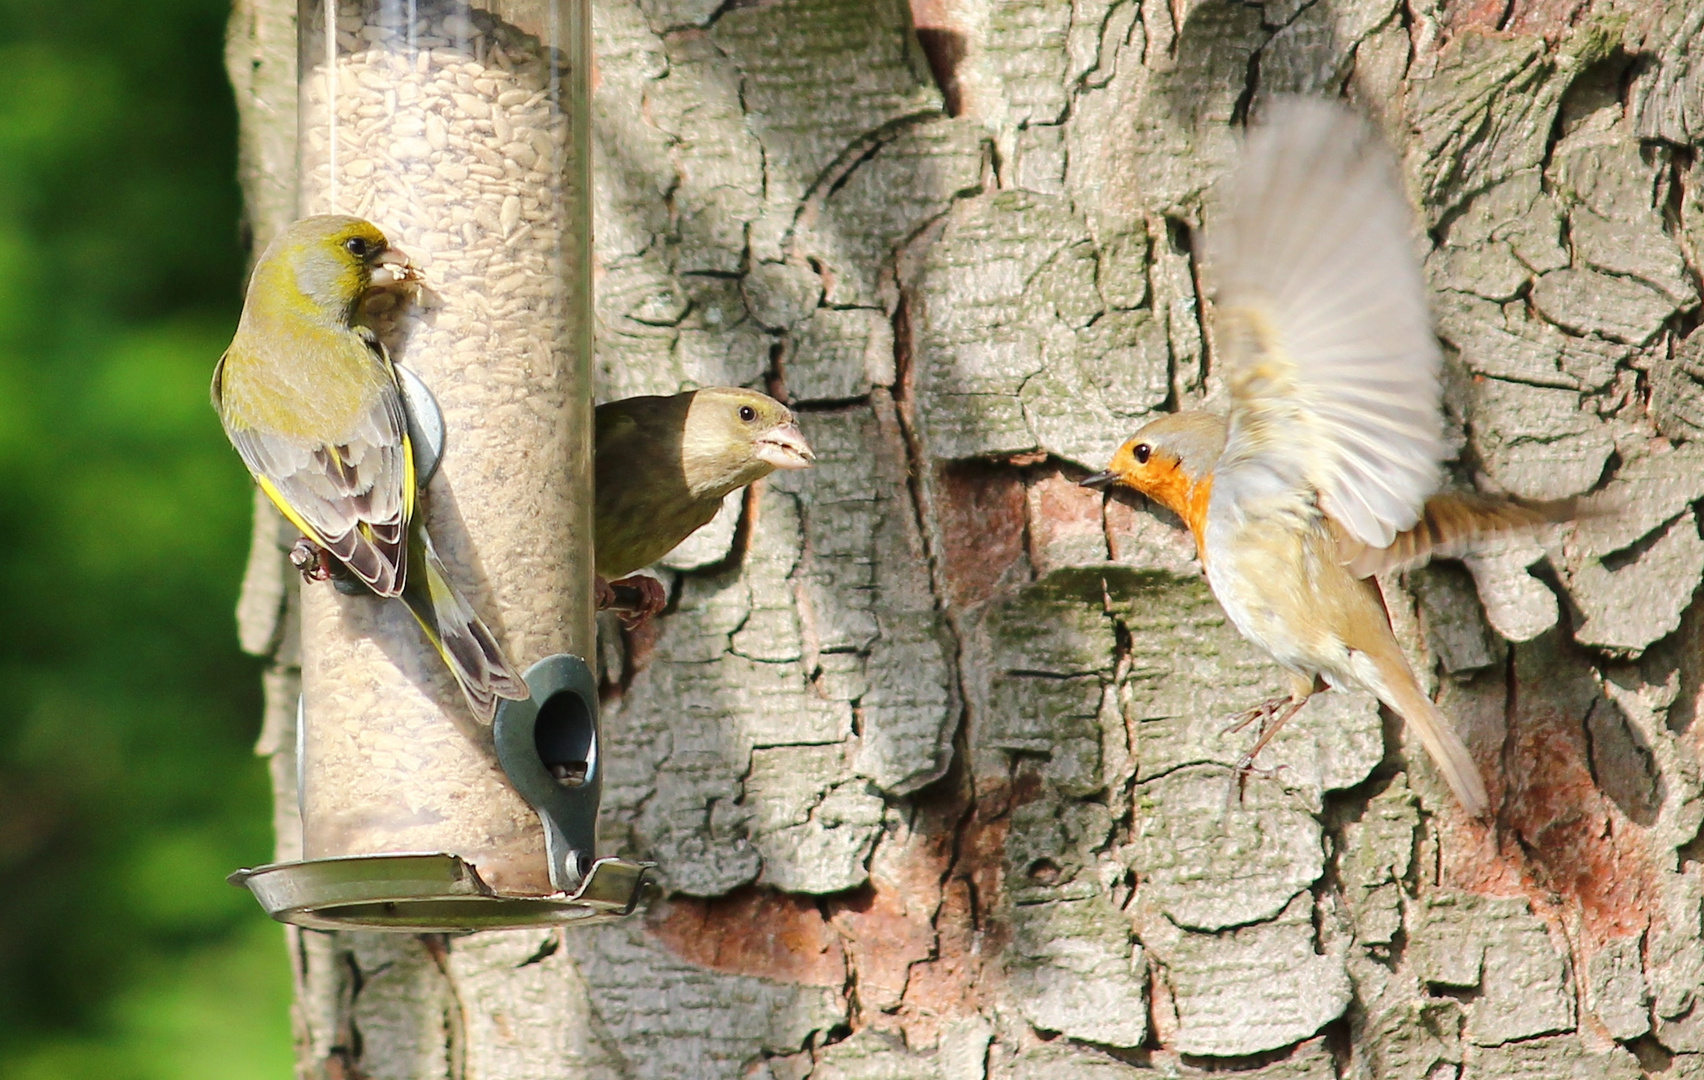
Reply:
x=462 y=131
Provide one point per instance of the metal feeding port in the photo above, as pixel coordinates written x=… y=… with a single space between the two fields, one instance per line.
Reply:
x=547 y=746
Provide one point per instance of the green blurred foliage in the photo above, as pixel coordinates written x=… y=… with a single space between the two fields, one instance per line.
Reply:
x=127 y=783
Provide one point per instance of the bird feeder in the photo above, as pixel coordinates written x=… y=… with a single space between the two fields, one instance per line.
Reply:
x=462 y=131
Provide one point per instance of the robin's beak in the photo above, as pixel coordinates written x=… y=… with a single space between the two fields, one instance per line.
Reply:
x=393 y=267
x=784 y=447
x=1098 y=480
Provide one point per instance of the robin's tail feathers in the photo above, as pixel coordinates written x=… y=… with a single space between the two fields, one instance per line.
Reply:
x=1438 y=736
x=1455 y=524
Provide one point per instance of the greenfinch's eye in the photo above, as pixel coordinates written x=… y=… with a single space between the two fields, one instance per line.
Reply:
x=1142 y=451
x=747 y=413
x=357 y=246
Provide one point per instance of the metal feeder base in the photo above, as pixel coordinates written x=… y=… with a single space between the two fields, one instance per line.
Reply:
x=432 y=892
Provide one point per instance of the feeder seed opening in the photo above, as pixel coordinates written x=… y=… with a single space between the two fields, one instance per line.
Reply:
x=566 y=738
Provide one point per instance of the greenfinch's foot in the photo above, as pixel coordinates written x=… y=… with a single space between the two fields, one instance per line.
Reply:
x=635 y=598
x=313 y=561
x=318 y=564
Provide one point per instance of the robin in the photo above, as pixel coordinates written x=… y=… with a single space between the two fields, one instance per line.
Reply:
x=1324 y=472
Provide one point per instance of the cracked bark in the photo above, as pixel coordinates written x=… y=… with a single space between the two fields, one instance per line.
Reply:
x=929 y=742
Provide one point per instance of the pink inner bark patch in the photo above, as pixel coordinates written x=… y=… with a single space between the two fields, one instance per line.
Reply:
x=1559 y=840
x=1551 y=19
x=753 y=931
x=1576 y=841
x=981 y=512
x=1064 y=521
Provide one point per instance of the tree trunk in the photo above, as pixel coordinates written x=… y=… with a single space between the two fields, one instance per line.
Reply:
x=929 y=747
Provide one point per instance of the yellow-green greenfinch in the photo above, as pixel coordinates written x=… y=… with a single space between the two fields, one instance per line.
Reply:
x=664 y=465
x=1324 y=472
x=311 y=401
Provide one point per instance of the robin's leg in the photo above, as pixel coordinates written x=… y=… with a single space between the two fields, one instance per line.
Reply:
x=1272 y=721
x=1245 y=764
x=635 y=598
x=1301 y=686
x=1262 y=712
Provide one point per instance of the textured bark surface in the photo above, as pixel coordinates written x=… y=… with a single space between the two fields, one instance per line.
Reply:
x=929 y=743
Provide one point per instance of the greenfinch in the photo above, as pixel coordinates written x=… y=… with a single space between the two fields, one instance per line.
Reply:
x=663 y=466
x=311 y=402
x=1325 y=470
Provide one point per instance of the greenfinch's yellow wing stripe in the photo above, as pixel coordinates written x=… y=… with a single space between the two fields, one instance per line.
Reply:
x=289 y=511
x=410 y=490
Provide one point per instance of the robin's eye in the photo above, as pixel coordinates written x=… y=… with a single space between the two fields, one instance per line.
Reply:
x=357 y=246
x=747 y=413
x=1142 y=451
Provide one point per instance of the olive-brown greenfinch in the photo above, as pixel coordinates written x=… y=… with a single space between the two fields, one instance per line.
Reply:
x=664 y=465
x=311 y=401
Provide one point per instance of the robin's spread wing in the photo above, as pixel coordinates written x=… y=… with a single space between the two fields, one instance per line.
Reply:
x=1452 y=525
x=1322 y=323
x=353 y=497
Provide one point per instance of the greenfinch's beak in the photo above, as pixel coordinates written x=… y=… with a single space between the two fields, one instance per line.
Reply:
x=784 y=447
x=1098 y=480
x=393 y=267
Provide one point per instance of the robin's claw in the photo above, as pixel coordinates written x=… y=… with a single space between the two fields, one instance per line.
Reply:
x=1241 y=771
x=1271 y=722
x=1245 y=768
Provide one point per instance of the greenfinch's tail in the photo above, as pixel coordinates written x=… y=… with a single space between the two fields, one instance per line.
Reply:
x=465 y=643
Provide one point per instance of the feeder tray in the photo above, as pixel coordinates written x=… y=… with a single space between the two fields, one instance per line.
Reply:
x=547 y=745
x=430 y=892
